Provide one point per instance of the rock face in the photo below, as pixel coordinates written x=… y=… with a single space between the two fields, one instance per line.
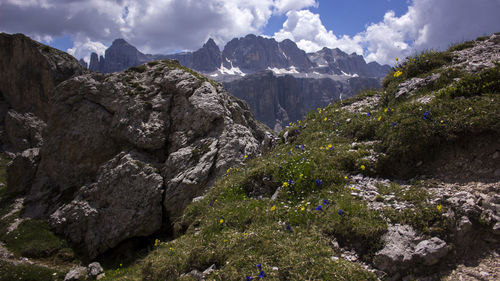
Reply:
x=124 y=153
x=278 y=100
x=334 y=61
x=30 y=71
x=119 y=56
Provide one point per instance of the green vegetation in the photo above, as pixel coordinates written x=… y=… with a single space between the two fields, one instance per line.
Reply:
x=27 y=272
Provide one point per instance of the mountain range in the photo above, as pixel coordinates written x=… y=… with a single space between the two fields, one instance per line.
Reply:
x=246 y=64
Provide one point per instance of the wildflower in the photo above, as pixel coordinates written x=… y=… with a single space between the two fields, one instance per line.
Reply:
x=397 y=58
x=369 y=114
x=249 y=278
x=394 y=124
x=426 y=114
x=340 y=212
x=288 y=228
x=228 y=170
x=246 y=156
x=221 y=221
x=330 y=147
x=302 y=147
x=157 y=242
x=171 y=249
x=386 y=109
x=363 y=167
x=273 y=208
x=325 y=119
x=121 y=265
x=259 y=265
x=291 y=182
x=379 y=118
x=262 y=274
x=439 y=207
x=302 y=208
x=285 y=184
x=318 y=182
x=301 y=175
x=325 y=201
x=319 y=208
x=442 y=121
x=398 y=73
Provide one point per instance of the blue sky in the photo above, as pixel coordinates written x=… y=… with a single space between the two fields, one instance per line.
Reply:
x=380 y=30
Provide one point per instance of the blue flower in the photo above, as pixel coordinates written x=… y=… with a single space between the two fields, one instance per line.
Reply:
x=394 y=124
x=325 y=201
x=302 y=147
x=262 y=274
x=288 y=228
x=296 y=131
x=297 y=146
x=318 y=182
x=319 y=208
x=291 y=182
x=340 y=212
x=249 y=278
x=426 y=114
x=259 y=265
x=369 y=114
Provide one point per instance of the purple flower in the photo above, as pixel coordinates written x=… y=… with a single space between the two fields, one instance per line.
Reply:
x=331 y=148
x=325 y=201
x=302 y=147
x=288 y=228
x=319 y=208
x=262 y=274
x=426 y=114
x=369 y=114
x=394 y=124
x=318 y=182
x=291 y=182
x=259 y=265
x=340 y=212
x=249 y=278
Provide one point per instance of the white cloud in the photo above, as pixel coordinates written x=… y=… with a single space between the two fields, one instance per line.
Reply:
x=83 y=47
x=282 y=6
x=153 y=26
x=428 y=24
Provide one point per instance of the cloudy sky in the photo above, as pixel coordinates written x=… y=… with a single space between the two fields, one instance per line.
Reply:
x=380 y=30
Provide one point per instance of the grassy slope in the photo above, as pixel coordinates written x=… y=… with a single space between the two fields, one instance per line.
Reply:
x=237 y=226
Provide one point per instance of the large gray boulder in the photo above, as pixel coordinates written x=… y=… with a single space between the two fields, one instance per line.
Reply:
x=24 y=130
x=125 y=153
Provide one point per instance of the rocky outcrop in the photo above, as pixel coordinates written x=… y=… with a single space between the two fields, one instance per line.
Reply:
x=24 y=130
x=334 y=61
x=22 y=170
x=124 y=153
x=278 y=100
x=30 y=71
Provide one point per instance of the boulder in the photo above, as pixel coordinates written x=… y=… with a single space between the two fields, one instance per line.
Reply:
x=94 y=270
x=24 y=130
x=122 y=149
x=431 y=251
x=22 y=170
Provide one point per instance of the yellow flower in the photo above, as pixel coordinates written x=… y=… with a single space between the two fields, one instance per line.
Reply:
x=397 y=59
x=439 y=207
x=171 y=249
x=363 y=167
x=221 y=221
x=246 y=234
x=301 y=175
x=228 y=170
x=273 y=208
x=329 y=146
x=285 y=184
x=121 y=265
x=345 y=177
x=386 y=109
x=157 y=242
x=246 y=156
x=398 y=73
x=442 y=121
x=379 y=118
x=325 y=119
x=302 y=208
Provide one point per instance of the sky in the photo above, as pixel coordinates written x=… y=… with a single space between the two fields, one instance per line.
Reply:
x=380 y=30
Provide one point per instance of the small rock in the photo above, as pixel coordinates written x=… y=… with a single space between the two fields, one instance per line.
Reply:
x=94 y=269
x=432 y=250
x=209 y=270
x=76 y=273
x=496 y=228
